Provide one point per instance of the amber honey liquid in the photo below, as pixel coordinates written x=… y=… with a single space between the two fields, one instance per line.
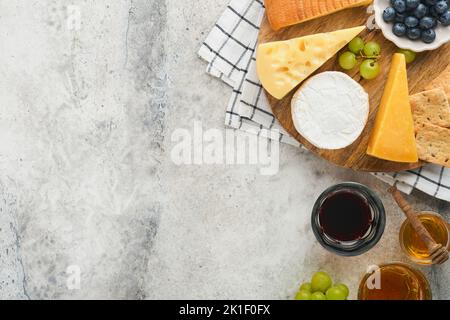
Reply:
x=396 y=282
x=413 y=245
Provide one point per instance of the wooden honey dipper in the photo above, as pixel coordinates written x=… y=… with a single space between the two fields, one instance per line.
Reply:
x=438 y=253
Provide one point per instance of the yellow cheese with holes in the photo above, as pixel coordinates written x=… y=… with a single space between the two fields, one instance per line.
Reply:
x=283 y=65
x=393 y=135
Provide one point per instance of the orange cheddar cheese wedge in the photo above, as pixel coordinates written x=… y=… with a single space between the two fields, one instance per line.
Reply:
x=393 y=136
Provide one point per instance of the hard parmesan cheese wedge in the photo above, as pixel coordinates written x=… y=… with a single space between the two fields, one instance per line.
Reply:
x=330 y=110
x=283 y=65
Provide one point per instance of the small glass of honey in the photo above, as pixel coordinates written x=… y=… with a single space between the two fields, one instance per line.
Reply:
x=394 y=281
x=413 y=245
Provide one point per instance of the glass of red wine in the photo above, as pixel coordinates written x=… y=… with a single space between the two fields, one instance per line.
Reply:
x=348 y=219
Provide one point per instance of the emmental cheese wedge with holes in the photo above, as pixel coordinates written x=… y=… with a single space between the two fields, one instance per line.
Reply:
x=393 y=135
x=283 y=13
x=283 y=65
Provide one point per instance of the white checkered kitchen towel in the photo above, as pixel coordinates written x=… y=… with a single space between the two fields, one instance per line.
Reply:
x=229 y=50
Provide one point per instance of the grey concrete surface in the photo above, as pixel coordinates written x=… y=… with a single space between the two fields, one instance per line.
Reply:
x=92 y=206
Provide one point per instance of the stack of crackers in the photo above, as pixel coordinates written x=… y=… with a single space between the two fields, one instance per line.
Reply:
x=431 y=110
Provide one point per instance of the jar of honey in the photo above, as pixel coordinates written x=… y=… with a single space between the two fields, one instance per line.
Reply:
x=413 y=245
x=394 y=281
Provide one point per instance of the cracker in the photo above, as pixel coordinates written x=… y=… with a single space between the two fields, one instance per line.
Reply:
x=431 y=107
x=442 y=81
x=433 y=144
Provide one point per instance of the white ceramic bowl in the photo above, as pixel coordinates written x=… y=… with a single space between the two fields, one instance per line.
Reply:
x=442 y=33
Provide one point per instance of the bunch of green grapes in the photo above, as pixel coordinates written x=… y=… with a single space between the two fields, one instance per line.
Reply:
x=369 y=52
x=321 y=288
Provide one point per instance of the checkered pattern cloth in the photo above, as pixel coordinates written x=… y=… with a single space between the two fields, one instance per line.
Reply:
x=230 y=50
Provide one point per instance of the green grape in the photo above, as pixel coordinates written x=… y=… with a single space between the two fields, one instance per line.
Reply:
x=344 y=288
x=372 y=49
x=335 y=293
x=347 y=60
x=356 y=45
x=306 y=286
x=409 y=55
x=369 y=69
x=321 y=281
x=318 y=296
x=303 y=295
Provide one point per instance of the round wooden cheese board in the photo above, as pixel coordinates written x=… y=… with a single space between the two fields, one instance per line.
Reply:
x=427 y=67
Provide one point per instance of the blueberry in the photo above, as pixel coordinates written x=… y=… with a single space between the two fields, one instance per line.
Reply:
x=445 y=19
x=441 y=7
x=426 y=22
x=412 y=4
x=399 y=5
x=411 y=22
x=399 y=29
x=430 y=2
x=435 y=24
x=400 y=17
x=428 y=36
x=389 y=14
x=421 y=11
x=413 y=33
x=433 y=12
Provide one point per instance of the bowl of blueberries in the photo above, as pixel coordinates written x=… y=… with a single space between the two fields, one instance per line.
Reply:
x=417 y=25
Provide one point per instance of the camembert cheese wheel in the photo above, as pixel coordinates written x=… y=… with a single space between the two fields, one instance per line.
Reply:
x=330 y=110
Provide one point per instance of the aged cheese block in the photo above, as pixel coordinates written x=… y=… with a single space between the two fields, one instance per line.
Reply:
x=283 y=13
x=283 y=65
x=393 y=137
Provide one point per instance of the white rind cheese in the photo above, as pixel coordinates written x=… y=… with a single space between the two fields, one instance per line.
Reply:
x=330 y=110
